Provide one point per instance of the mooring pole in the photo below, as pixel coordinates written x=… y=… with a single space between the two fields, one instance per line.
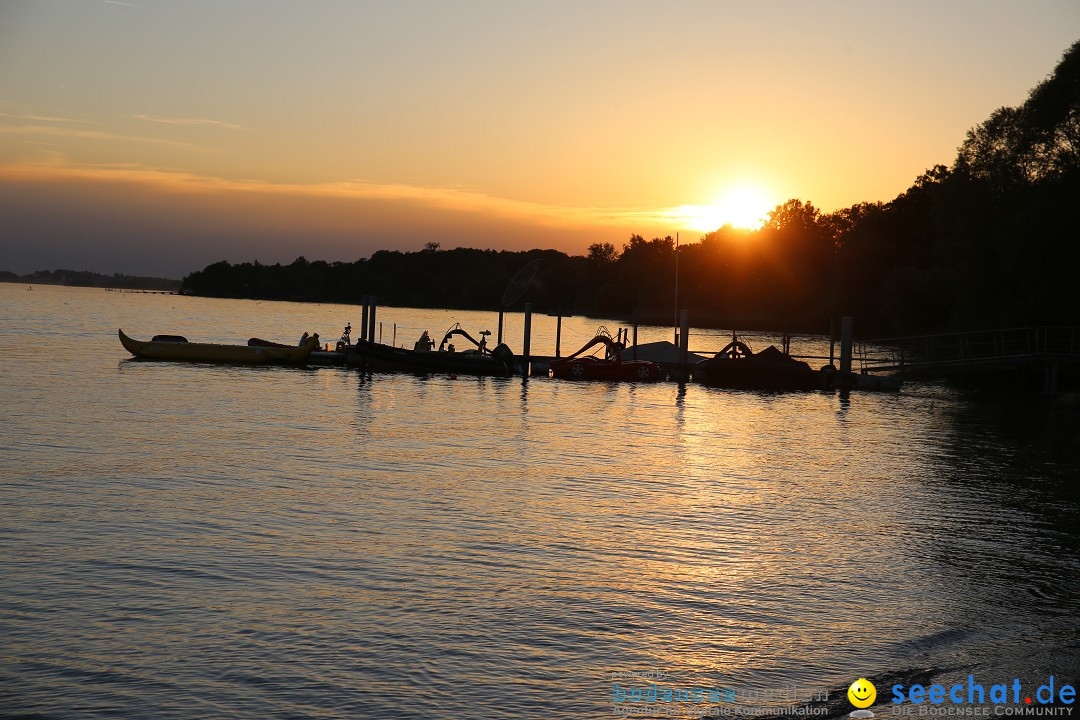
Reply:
x=676 y=286
x=847 y=342
x=371 y=320
x=526 y=341
x=499 y=341
x=394 y=341
x=1050 y=378
x=363 y=316
x=832 y=341
x=634 y=351
x=684 y=342
x=558 y=334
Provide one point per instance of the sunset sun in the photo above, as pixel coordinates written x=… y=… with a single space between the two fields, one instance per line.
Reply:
x=743 y=206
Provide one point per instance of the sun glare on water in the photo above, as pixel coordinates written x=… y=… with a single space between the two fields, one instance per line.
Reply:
x=743 y=206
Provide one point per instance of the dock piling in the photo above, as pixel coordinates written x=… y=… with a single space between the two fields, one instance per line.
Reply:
x=526 y=341
x=363 y=316
x=1050 y=379
x=847 y=342
x=684 y=340
x=499 y=340
x=832 y=341
x=558 y=334
x=634 y=351
x=371 y=319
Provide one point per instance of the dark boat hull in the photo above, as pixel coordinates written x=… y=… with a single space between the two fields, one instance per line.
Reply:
x=317 y=357
x=176 y=348
x=590 y=368
x=770 y=371
x=722 y=373
x=385 y=358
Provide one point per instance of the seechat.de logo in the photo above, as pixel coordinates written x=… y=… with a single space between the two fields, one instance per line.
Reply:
x=971 y=692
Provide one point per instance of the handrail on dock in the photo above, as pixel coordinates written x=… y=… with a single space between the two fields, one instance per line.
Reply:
x=1007 y=346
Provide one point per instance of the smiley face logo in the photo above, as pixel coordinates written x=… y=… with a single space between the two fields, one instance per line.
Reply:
x=862 y=693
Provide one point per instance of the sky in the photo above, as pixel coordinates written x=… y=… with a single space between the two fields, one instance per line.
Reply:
x=154 y=138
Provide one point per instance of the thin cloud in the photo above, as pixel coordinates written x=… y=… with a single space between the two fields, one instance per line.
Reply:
x=42 y=118
x=117 y=2
x=191 y=121
x=453 y=199
x=93 y=135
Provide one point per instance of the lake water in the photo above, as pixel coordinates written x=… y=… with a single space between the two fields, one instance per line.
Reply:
x=196 y=541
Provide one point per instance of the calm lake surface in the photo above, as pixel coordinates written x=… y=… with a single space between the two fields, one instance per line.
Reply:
x=195 y=541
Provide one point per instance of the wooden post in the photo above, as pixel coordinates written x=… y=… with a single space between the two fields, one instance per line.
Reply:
x=499 y=341
x=832 y=341
x=363 y=316
x=1050 y=378
x=847 y=342
x=684 y=341
x=380 y=333
x=558 y=334
x=394 y=341
x=526 y=341
x=676 y=286
x=371 y=320
x=635 y=333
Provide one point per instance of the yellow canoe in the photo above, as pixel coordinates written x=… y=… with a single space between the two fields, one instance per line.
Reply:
x=180 y=349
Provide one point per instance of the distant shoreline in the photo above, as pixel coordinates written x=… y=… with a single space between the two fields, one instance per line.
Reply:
x=85 y=278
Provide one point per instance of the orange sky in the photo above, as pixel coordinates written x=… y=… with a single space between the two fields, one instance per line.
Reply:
x=158 y=137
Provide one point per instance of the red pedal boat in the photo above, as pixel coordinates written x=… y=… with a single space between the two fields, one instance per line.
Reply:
x=612 y=367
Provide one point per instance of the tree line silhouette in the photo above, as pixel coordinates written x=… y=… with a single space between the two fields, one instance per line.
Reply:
x=992 y=240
